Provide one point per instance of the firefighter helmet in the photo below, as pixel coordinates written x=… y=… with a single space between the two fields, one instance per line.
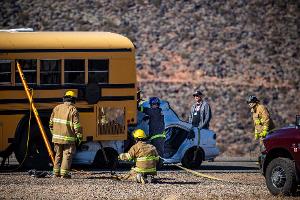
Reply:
x=252 y=99
x=154 y=100
x=139 y=134
x=70 y=94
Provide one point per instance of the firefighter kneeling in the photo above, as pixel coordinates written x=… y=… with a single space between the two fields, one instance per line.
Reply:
x=146 y=158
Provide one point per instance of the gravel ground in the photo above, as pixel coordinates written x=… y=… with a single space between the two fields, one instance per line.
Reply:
x=100 y=185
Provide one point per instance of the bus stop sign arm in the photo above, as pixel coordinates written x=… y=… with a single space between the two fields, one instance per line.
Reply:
x=36 y=114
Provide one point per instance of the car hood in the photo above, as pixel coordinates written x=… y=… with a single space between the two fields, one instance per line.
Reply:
x=283 y=132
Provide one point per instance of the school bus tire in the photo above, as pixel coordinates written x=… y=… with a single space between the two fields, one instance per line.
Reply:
x=37 y=156
x=112 y=157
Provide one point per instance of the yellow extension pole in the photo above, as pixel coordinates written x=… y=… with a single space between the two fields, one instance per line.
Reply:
x=36 y=114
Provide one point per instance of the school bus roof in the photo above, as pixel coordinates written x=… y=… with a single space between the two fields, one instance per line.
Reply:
x=63 y=40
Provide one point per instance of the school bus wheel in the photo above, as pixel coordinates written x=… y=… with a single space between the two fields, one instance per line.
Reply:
x=37 y=156
x=112 y=158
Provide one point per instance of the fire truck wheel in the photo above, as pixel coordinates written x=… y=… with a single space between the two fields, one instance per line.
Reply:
x=37 y=156
x=281 y=176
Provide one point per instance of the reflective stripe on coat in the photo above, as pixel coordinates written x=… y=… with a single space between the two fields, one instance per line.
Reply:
x=64 y=124
x=146 y=157
x=261 y=119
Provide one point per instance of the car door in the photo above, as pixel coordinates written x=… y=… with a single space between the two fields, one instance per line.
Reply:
x=175 y=136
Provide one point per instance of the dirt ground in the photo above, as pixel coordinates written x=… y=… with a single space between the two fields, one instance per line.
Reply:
x=100 y=185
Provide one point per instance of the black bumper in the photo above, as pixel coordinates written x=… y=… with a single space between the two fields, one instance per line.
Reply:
x=261 y=160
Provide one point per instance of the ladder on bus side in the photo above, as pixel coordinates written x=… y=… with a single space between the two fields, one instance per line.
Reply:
x=36 y=114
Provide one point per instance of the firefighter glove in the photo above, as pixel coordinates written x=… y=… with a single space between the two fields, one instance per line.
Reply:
x=78 y=139
x=263 y=134
x=122 y=156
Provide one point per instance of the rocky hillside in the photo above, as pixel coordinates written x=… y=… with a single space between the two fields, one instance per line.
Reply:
x=228 y=49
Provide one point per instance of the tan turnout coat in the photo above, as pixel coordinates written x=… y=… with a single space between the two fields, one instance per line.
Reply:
x=145 y=155
x=64 y=124
x=261 y=118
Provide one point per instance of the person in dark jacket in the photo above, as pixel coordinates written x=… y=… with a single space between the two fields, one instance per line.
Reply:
x=200 y=114
x=156 y=125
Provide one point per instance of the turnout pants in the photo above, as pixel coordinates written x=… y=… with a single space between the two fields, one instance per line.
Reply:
x=63 y=158
x=132 y=174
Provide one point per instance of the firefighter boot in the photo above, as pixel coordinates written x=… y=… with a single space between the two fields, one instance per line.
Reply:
x=149 y=178
x=140 y=178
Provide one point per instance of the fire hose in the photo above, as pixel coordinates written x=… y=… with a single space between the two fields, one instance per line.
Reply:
x=198 y=173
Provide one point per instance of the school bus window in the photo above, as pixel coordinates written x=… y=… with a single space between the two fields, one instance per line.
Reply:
x=74 y=71
x=5 y=72
x=50 y=72
x=29 y=70
x=98 y=71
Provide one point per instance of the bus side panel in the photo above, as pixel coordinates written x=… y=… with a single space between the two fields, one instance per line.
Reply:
x=122 y=70
x=130 y=105
x=1 y=136
x=88 y=124
x=110 y=133
x=8 y=124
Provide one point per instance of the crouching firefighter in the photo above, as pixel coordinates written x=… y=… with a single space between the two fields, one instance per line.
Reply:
x=145 y=156
x=66 y=131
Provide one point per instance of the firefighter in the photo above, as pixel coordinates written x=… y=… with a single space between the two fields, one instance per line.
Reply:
x=146 y=158
x=66 y=132
x=261 y=118
x=156 y=125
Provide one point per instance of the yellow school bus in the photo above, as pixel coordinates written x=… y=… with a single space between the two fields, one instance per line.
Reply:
x=98 y=66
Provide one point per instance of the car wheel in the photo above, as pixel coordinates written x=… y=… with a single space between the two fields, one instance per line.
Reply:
x=192 y=158
x=281 y=176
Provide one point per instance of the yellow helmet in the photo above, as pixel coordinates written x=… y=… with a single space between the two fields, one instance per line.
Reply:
x=70 y=93
x=139 y=134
